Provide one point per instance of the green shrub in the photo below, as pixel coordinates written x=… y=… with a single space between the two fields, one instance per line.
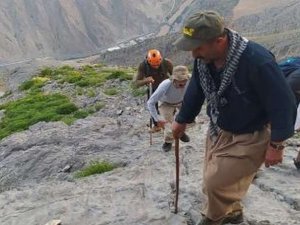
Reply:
x=72 y=77
x=95 y=167
x=66 y=108
x=111 y=91
x=26 y=85
x=138 y=91
x=46 y=72
x=119 y=75
x=99 y=106
x=33 y=84
x=91 y=110
x=87 y=68
x=86 y=76
x=83 y=83
x=91 y=93
x=66 y=68
x=21 y=114
x=79 y=91
x=69 y=120
x=80 y=114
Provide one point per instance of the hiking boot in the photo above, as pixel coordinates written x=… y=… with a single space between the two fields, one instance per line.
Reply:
x=185 y=138
x=167 y=147
x=155 y=129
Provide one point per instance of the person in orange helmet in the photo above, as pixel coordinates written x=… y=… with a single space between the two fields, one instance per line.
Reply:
x=154 y=69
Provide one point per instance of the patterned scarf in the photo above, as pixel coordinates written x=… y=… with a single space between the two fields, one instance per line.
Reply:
x=214 y=97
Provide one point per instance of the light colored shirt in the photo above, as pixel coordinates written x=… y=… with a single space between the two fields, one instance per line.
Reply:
x=168 y=93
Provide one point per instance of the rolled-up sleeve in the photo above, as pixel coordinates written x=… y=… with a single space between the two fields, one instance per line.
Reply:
x=155 y=97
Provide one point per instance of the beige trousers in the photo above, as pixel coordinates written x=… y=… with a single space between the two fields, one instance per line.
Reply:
x=230 y=166
x=168 y=112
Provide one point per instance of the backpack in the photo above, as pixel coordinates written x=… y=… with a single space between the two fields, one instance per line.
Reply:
x=150 y=71
x=289 y=65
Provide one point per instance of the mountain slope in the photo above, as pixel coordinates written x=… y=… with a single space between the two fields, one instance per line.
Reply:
x=69 y=28
x=273 y=23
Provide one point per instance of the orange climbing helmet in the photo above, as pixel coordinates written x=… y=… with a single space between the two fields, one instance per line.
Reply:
x=154 y=58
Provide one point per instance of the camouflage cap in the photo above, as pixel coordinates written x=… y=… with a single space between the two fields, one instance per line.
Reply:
x=200 y=28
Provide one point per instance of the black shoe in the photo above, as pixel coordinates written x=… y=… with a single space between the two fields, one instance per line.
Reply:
x=185 y=138
x=297 y=164
x=167 y=147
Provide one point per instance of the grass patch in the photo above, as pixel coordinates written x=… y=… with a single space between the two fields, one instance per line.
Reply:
x=66 y=108
x=36 y=107
x=95 y=108
x=80 y=114
x=95 y=167
x=86 y=76
x=99 y=106
x=34 y=84
x=91 y=93
x=91 y=110
x=111 y=91
x=138 y=91
x=119 y=75
x=79 y=91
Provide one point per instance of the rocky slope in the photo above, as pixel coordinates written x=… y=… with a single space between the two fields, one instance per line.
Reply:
x=38 y=165
x=37 y=168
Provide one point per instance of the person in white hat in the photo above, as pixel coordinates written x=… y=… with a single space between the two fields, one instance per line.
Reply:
x=169 y=94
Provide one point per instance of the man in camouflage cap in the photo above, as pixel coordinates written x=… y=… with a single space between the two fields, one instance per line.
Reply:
x=245 y=91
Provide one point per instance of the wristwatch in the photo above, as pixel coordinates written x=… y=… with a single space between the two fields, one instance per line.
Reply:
x=278 y=147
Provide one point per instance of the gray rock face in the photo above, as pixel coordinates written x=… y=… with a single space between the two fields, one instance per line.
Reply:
x=276 y=27
x=165 y=43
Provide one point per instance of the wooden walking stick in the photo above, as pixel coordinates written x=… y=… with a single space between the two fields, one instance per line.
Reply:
x=177 y=173
x=151 y=122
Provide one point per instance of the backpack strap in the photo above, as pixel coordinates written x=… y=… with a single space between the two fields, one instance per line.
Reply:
x=148 y=68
